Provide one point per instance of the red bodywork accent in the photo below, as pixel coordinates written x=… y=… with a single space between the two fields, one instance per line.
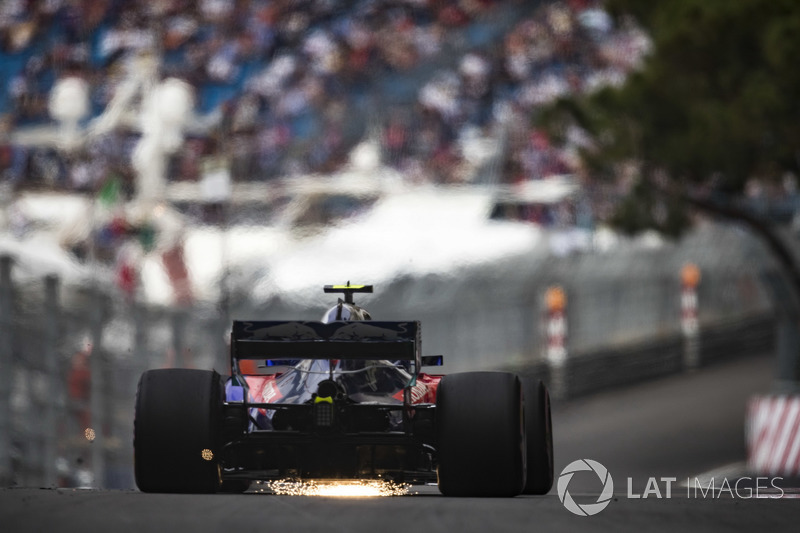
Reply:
x=263 y=389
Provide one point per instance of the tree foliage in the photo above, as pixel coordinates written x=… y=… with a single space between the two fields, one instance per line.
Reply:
x=716 y=103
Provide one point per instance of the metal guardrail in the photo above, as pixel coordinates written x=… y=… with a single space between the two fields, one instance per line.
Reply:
x=625 y=364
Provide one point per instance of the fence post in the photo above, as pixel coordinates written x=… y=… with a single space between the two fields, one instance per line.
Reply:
x=95 y=432
x=52 y=313
x=6 y=367
x=690 y=278
x=556 y=333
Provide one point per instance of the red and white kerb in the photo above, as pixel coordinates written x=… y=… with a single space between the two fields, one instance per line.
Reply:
x=773 y=435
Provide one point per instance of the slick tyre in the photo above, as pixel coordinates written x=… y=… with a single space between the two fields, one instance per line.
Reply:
x=176 y=431
x=234 y=486
x=481 y=434
x=539 y=429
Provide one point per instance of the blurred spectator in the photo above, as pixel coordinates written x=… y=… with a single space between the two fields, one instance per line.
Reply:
x=294 y=80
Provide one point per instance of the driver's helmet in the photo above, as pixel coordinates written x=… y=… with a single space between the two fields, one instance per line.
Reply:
x=345 y=312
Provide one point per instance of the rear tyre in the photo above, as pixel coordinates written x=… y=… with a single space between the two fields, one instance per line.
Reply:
x=481 y=434
x=176 y=431
x=234 y=486
x=539 y=429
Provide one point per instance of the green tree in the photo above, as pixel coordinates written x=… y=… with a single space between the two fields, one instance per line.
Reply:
x=715 y=104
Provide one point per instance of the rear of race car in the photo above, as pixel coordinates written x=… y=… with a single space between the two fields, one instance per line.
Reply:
x=344 y=398
x=352 y=407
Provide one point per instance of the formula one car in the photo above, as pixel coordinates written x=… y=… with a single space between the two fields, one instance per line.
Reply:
x=343 y=398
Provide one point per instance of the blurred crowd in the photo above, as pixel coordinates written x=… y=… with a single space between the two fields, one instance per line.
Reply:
x=291 y=86
x=561 y=48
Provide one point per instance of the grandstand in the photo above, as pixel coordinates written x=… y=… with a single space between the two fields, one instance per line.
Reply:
x=290 y=87
x=427 y=92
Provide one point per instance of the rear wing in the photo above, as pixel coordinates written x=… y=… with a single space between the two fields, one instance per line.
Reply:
x=281 y=340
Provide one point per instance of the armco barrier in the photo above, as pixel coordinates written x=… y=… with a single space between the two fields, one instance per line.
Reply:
x=737 y=337
x=613 y=366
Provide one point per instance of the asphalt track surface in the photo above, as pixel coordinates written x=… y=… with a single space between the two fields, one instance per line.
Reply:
x=678 y=427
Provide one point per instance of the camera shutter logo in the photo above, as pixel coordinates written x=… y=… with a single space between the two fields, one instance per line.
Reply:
x=587 y=509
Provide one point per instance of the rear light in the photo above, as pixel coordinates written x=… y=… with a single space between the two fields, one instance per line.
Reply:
x=327 y=390
x=323 y=413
